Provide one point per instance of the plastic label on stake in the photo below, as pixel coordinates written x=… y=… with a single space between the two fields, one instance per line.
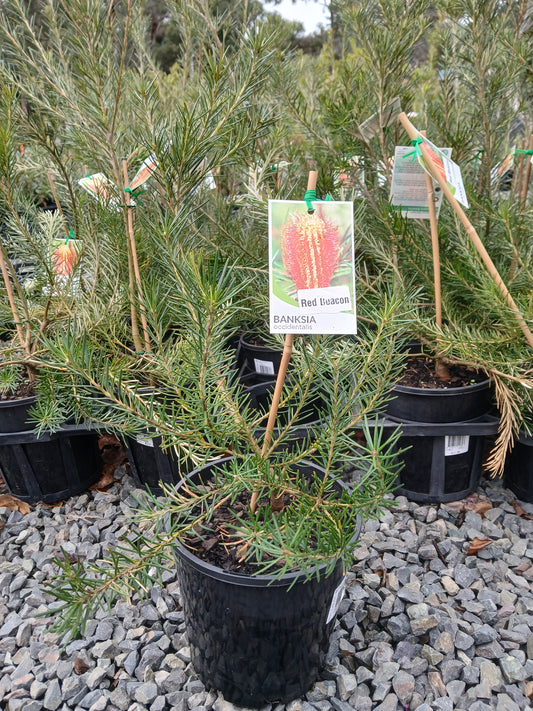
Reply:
x=336 y=601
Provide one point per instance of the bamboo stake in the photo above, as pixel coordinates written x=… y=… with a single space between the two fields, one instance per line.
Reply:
x=282 y=372
x=441 y=370
x=478 y=244
x=527 y=176
x=14 y=310
x=135 y=264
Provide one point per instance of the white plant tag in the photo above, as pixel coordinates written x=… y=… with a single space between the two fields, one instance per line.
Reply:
x=456 y=444
x=265 y=367
x=145 y=442
x=336 y=601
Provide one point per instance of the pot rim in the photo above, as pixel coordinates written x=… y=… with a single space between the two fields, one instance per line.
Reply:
x=252 y=581
x=463 y=389
x=26 y=400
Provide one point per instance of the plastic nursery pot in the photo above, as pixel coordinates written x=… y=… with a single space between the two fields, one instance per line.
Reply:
x=150 y=464
x=257 y=639
x=441 y=461
x=411 y=404
x=14 y=414
x=254 y=357
x=52 y=467
x=519 y=468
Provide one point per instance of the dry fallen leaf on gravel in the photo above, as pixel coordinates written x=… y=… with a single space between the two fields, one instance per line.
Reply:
x=477 y=545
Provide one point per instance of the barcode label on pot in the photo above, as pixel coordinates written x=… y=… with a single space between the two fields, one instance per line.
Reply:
x=456 y=444
x=265 y=367
x=336 y=601
x=145 y=442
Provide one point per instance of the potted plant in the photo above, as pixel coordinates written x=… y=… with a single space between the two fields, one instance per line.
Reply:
x=43 y=457
x=262 y=533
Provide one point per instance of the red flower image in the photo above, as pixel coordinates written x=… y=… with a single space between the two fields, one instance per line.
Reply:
x=64 y=258
x=310 y=247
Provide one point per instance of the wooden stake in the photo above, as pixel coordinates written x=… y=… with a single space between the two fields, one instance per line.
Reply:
x=282 y=372
x=135 y=264
x=14 y=309
x=440 y=368
x=470 y=230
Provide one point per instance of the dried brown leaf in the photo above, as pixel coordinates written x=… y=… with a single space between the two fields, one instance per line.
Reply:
x=482 y=507
x=477 y=545
x=14 y=504
x=520 y=511
x=106 y=479
x=80 y=665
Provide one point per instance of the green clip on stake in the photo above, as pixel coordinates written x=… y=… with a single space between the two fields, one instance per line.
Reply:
x=527 y=152
x=310 y=197
x=135 y=194
x=417 y=152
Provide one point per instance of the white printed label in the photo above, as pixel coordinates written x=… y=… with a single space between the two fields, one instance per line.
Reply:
x=265 y=367
x=145 y=442
x=456 y=444
x=326 y=300
x=336 y=601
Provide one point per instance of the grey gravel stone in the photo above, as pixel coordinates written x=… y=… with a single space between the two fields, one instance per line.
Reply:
x=435 y=636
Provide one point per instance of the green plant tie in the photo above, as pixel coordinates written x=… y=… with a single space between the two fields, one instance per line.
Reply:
x=527 y=152
x=70 y=235
x=135 y=193
x=417 y=152
x=310 y=197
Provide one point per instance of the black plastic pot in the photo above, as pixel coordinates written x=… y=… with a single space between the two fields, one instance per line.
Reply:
x=150 y=465
x=14 y=414
x=519 y=468
x=441 y=461
x=256 y=639
x=411 y=404
x=52 y=467
x=252 y=357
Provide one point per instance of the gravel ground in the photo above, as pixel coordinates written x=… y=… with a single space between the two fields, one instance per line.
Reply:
x=423 y=624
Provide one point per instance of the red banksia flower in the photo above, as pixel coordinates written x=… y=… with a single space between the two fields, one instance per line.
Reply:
x=310 y=245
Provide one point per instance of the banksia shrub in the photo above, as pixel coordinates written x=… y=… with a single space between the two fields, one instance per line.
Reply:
x=311 y=250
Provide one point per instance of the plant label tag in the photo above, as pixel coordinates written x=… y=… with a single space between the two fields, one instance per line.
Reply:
x=449 y=171
x=145 y=442
x=264 y=367
x=371 y=127
x=336 y=601
x=312 y=270
x=408 y=192
x=456 y=444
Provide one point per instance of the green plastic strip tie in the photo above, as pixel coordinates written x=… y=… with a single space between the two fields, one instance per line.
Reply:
x=310 y=197
x=135 y=193
x=417 y=152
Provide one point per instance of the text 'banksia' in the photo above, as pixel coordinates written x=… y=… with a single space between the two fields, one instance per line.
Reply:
x=310 y=246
